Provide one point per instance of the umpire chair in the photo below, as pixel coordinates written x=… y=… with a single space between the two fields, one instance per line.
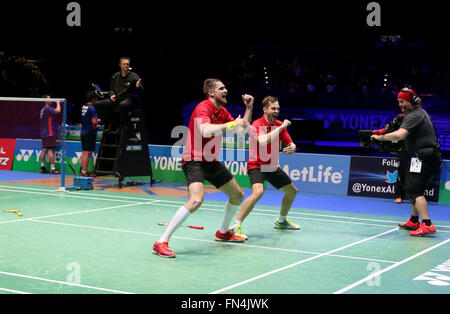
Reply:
x=125 y=153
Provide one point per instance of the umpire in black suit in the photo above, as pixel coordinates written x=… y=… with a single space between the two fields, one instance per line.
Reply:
x=125 y=85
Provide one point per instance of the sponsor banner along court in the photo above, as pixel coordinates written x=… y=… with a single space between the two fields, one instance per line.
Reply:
x=377 y=177
x=310 y=173
x=27 y=156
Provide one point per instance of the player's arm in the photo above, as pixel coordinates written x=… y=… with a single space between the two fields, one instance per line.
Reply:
x=58 y=107
x=241 y=131
x=209 y=129
x=291 y=148
x=288 y=142
x=267 y=138
x=398 y=135
x=248 y=101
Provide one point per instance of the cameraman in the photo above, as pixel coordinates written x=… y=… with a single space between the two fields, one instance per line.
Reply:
x=424 y=156
x=124 y=85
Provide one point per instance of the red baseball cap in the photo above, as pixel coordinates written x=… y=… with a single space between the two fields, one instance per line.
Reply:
x=406 y=95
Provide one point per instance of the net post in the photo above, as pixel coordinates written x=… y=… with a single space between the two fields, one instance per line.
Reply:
x=63 y=153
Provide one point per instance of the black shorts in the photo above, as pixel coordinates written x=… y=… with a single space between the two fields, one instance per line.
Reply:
x=88 y=141
x=49 y=142
x=277 y=178
x=199 y=171
x=417 y=183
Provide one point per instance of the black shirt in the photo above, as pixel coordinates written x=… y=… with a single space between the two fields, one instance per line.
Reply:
x=421 y=131
x=124 y=87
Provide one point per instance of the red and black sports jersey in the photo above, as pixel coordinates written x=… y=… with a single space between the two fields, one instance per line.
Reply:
x=262 y=154
x=197 y=147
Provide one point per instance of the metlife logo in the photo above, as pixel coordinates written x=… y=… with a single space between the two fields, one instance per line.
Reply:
x=325 y=174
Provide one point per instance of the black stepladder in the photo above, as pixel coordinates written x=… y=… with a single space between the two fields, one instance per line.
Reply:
x=125 y=153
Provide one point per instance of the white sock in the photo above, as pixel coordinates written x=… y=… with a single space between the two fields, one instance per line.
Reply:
x=230 y=211
x=237 y=222
x=42 y=164
x=179 y=217
x=281 y=218
x=52 y=166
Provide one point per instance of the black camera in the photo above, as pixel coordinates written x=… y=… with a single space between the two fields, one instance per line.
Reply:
x=365 y=139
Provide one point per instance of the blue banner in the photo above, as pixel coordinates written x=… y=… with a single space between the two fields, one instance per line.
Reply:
x=377 y=177
x=324 y=174
x=344 y=124
x=444 y=190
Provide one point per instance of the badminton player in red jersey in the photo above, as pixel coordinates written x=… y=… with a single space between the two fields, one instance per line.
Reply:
x=208 y=121
x=265 y=134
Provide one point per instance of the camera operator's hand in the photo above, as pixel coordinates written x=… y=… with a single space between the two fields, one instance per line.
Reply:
x=113 y=97
x=377 y=137
x=138 y=83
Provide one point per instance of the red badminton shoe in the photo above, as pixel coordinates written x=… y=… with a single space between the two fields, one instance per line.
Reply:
x=228 y=237
x=162 y=249
x=89 y=175
x=424 y=230
x=409 y=225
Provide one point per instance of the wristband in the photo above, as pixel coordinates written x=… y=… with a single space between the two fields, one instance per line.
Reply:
x=231 y=125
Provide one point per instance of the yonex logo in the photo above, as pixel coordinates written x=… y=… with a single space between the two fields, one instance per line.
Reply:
x=438 y=275
x=77 y=157
x=25 y=154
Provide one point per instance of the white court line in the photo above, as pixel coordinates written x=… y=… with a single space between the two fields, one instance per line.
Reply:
x=289 y=266
x=66 y=195
x=300 y=262
x=64 y=283
x=305 y=218
x=255 y=209
x=208 y=241
x=14 y=291
x=219 y=208
x=301 y=214
x=268 y=210
x=390 y=267
x=77 y=192
x=74 y=213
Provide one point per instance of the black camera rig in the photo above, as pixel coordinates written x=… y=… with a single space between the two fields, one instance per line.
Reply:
x=366 y=140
